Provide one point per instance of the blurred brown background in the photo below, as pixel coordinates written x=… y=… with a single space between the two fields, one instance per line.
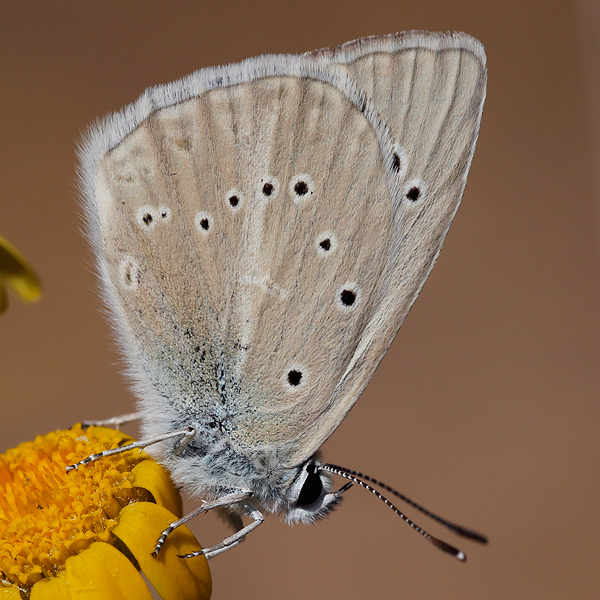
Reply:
x=486 y=408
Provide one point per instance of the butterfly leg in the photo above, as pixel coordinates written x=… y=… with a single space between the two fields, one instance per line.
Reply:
x=114 y=422
x=235 y=539
x=221 y=550
x=235 y=522
x=185 y=435
x=227 y=500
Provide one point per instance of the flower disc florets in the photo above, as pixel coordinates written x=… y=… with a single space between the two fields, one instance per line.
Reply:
x=96 y=515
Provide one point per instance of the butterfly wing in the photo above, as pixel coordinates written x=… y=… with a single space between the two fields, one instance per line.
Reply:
x=253 y=237
x=242 y=220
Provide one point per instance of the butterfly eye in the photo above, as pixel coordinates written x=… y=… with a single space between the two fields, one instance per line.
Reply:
x=312 y=488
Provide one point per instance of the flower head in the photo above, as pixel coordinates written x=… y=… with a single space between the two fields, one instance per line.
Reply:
x=85 y=534
x=15 y=272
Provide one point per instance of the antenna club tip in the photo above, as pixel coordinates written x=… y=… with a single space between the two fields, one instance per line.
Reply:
x=470 y=534
x=448 y=549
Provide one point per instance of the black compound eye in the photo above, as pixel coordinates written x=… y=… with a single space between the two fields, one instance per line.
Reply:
x=311 y=489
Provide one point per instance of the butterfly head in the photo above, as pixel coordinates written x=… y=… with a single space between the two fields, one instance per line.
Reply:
x=310 y=496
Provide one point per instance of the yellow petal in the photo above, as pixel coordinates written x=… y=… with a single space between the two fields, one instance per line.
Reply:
x=17 y=273
x=10 y=593
x=99 y=573
x=173 y=578
x=56 y=588
x=153 y=477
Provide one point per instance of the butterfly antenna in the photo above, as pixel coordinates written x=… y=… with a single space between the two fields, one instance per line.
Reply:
x=356 y=477
x=457 y=529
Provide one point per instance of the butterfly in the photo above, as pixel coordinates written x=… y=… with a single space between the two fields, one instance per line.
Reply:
x=261 y=230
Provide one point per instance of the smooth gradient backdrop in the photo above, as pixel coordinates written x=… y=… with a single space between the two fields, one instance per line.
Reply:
x=486 y=408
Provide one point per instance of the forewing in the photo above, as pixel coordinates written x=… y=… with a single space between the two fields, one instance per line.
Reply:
x=243 y=223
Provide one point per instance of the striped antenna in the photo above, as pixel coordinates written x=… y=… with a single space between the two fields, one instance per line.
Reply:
x=361 y=480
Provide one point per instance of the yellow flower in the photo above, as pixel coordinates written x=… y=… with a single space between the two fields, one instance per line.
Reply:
x=84 y=535
x=15 y=271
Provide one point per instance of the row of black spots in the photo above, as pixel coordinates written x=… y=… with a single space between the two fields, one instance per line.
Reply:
x=301 y=186
x=149 y=216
